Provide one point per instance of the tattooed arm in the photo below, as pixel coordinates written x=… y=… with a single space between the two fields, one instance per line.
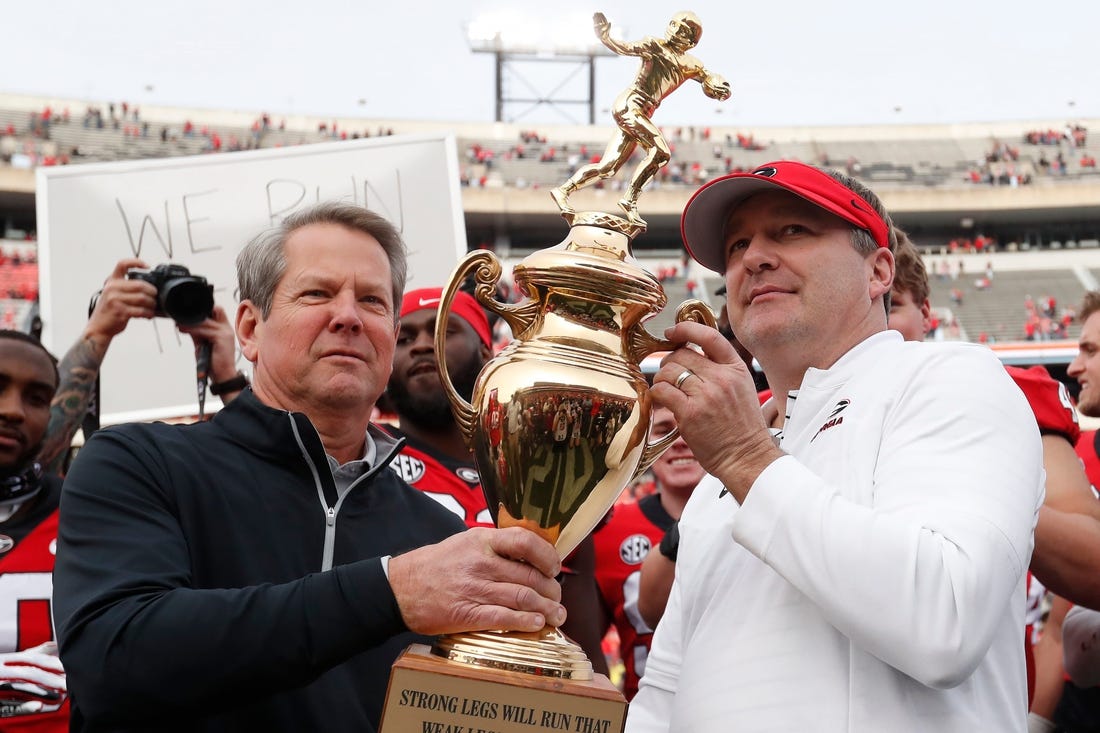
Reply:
x=118 y=302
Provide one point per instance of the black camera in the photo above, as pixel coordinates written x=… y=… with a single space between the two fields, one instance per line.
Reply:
x=185 y=298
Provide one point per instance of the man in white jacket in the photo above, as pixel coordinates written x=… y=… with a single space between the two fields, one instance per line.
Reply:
x=857 y=563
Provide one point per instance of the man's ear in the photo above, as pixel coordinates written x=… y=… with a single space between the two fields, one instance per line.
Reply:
x=248 y=324
x=881 y=272
x=926 y=316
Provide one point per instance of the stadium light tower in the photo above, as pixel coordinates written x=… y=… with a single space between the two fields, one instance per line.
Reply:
x=515 y=41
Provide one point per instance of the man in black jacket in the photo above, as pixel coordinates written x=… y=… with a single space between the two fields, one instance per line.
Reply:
x=262 y=571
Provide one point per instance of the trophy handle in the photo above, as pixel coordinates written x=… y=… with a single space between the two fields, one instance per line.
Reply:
x=487 y=271
x=642 y=344
x=519 y=316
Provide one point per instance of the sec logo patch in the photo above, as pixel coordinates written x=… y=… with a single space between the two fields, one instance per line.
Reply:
x=409 y=468
x=634 y=549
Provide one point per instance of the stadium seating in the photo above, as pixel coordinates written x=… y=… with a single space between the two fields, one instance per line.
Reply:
x=900 y=162
x=912 y=157
x=999 y=311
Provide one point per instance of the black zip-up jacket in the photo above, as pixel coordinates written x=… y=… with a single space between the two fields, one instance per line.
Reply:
x=209 y=578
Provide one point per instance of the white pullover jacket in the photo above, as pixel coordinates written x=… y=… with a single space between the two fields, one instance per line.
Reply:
x=873 y=580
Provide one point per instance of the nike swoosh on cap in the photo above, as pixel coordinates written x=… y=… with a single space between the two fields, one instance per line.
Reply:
x=428 y=301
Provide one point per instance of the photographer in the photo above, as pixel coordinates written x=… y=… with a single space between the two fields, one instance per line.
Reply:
x=41 y=407
x=121 y=299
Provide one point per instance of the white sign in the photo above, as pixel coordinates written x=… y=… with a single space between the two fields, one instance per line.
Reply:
x=200 y=212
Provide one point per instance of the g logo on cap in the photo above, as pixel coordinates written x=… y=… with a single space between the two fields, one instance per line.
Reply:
x=766 y=172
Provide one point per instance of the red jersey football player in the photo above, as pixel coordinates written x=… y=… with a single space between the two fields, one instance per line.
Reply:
x=435 y=458
x=32 y=681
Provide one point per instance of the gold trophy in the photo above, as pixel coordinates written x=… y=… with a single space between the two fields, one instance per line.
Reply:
x=559 y=420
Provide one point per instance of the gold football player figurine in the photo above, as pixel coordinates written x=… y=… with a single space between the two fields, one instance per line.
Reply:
x=665 y=66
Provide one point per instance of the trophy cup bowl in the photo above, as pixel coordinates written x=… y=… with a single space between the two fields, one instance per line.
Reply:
x=559 y=419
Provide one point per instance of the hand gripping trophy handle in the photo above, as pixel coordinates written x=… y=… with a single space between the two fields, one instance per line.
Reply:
x=642 y=345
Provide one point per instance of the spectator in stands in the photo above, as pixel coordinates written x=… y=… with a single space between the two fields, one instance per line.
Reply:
x=1031 y=328
x=230 y=600
x=808 y=275
x=665 y=66
x=1069 y=315
x=41 y=407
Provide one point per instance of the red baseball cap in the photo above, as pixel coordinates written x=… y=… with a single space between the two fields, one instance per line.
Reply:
x=703 y=223
x=464 y=306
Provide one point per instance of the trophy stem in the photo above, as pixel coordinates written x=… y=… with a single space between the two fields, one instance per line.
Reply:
x=545 y=653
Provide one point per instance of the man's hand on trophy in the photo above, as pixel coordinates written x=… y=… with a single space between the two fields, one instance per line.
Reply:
x=601 y=24
x=714 y=399
x=477 y=580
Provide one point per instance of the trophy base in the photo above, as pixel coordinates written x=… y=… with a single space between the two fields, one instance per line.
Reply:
x=546 y=653
x=427 y=693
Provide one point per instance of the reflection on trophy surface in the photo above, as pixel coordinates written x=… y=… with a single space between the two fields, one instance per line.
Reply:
x=559 y=420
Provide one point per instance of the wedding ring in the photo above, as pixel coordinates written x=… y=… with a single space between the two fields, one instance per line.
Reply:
x=683 y=377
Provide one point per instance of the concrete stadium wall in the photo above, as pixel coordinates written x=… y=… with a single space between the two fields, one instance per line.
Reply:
x=16 y=180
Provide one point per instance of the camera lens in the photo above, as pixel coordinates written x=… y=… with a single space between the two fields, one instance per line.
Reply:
x=187 y=301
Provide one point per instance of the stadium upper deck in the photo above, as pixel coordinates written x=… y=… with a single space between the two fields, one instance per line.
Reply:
x=1021 y=185
x=1032 y=182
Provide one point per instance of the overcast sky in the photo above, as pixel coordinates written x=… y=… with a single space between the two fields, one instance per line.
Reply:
x=789 y=62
